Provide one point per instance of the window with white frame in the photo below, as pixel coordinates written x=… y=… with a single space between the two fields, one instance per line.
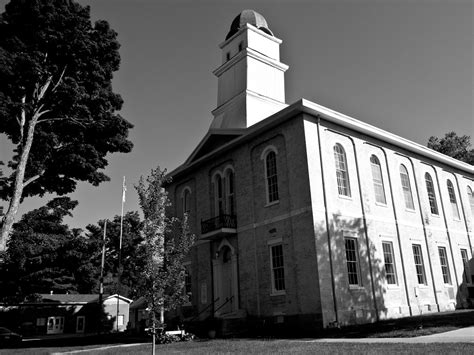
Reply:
x=352 y=261
x=342 y=174
x=219 y=195
x=389 y=261
x=452 y=199
x=230 y=192
x=467 y=269
x=377 y=180
x=419 y=264
x=470 y=196
x=406 y=187
x=186 y=200
x=431 y=194
x=443 y=260
x=271 y=177
x=278 y=268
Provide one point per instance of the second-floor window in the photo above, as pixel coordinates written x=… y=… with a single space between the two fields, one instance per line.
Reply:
x=431 y=194
x=271 y=177
x=342 y=175
x=230 y=192
x=186 y=200
x=452 y=199
x=406 y=187
x=377 y=180
x=219 y=192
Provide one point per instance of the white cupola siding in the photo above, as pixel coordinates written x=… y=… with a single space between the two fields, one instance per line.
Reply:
x=251 y=83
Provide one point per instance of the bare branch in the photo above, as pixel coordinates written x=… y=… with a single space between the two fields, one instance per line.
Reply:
x=59 y=80
x=45 y=87
x=30 y=180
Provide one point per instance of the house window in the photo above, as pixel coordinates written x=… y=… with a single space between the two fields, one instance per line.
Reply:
x=186 y=200
x=431 y=194
x=420 y=267
x=343 y=185
x=219 y=193
x=80 y=324
x=271 y=177
x=470 y=196
x=443 y=260
x=352 y=261
x=188 y=283
x=405 y=179
x=120 y=320
x=377 y=180
x=452 y=199
x=389 y=261
x=230 y=193
x=467 y=269
x=278 y=268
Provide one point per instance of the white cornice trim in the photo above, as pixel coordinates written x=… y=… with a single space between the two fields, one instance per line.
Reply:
x=251 y=28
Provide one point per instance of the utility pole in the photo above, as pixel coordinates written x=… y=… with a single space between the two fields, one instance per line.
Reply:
x=101 y=280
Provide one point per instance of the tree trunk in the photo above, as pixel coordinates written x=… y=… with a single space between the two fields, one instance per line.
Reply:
x=18 y=186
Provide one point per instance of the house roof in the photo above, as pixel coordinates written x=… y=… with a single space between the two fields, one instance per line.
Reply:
x=78 y=298
x=325 y=114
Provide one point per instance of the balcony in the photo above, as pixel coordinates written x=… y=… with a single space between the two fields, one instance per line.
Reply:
x=220 y=226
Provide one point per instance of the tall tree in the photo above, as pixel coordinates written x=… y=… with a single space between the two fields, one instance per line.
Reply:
x=458 y=147
x=132 y=254
x=45 y=255
x=167 y=242
x=56 y=100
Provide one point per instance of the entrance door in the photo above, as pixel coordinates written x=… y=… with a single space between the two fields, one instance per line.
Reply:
x=226 y=281
x=55 y=325
x=80 y=324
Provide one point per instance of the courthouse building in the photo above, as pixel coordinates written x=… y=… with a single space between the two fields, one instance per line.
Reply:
x=306 y=216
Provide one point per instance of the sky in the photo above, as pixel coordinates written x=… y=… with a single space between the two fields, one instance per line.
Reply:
x=405 y=66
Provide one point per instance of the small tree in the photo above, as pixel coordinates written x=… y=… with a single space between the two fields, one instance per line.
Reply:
x=56 y=101
x=167 y=242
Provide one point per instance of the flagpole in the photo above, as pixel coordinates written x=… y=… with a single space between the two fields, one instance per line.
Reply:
x=101 y=280
x=124 y=189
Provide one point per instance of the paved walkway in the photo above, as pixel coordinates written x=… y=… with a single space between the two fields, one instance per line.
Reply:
x=463 y=335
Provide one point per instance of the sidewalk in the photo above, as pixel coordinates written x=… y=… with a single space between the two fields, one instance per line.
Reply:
x=463 y=335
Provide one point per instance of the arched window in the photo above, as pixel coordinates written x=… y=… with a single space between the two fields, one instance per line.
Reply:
x=405 y=179
x=431 y=194
x=271 y=177
x=377 y=179
x=452 y=199
x=186 y=200
x=230 y=192
x=219 y=194
x=470 y=196
x=343 y=184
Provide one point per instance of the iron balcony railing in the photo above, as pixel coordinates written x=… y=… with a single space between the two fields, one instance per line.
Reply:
x=219 y=222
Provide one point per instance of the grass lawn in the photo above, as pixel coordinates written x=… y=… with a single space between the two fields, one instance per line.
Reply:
x=286 y=346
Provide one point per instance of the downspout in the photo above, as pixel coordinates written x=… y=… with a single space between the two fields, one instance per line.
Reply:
x=397 y=227
x=424 y=229
x=333 y=286
x=464 y=213
x=365 y=228
x=446 y=225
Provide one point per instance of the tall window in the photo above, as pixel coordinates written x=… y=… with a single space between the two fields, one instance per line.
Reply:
x=470 y=196
x=272 y=177
x=230 y=193
x=343 y=184
x=352 y=261
x=452 y=199
x=389 y=261
x=431 y=194
x=443 y=260
x=219 y=191
x=467 y=269
x=405 y=179
x=420 y=267
x=186 y=200
x=278 y=268
x=188 y=291
x=377 y=180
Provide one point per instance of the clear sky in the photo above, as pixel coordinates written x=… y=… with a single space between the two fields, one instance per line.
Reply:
x=406 y=66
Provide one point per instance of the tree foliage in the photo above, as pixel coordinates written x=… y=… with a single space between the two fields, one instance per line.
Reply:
x=458 y=147
x=56 y=100
x=167 y=243
x=45 y=255
x=132 y=254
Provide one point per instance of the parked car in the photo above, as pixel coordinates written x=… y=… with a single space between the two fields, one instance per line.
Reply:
x=7 y=337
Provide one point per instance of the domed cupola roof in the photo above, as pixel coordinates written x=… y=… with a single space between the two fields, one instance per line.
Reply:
x=248 y=16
